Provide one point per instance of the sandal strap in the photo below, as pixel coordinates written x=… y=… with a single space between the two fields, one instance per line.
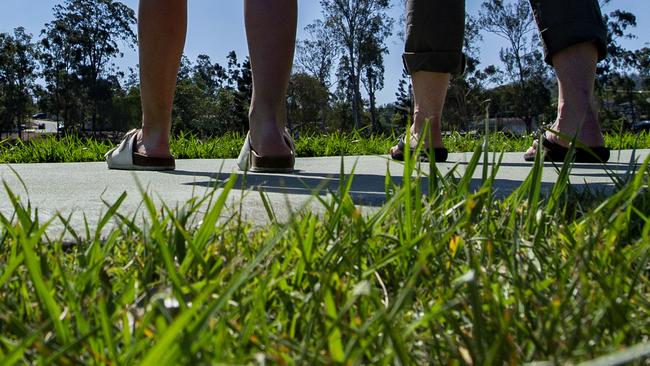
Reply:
x=401 y=142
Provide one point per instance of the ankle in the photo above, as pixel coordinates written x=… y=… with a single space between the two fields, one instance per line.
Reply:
x=264 y=115
x=563 y=130
x=422 y=119
x=588 y=133
x=267 y=133
x=153 y=143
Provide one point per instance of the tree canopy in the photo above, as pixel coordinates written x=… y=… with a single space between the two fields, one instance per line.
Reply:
x=68 y=73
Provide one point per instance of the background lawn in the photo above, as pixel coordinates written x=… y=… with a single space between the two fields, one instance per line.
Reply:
x=75 y=149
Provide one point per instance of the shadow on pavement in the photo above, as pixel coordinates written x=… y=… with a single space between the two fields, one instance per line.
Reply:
x=610 y=166
x=366 y=189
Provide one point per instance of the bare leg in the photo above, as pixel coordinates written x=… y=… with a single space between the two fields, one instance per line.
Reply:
x=271 y=32
x=161 y=29
x=429 y=92
x=575 y=68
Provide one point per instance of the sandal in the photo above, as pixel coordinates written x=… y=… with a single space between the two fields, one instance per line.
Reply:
x=125 y=156
x=440 y=153
x=557 y=153
x=249 y=160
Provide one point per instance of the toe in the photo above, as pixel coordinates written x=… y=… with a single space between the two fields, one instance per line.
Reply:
x=532 y=149
x=530 y=154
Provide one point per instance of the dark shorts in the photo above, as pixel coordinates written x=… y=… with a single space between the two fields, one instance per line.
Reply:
x=435 y=31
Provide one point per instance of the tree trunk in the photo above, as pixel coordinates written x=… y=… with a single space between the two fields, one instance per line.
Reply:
x=373 y=112
x=357 y=102
x=355 y=90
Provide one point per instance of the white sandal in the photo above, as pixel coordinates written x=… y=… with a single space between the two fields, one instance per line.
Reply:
x=124 y=156
x=249 y=160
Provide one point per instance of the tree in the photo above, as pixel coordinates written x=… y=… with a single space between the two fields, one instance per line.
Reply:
x=351 y=24
x=240 y=83
x=315 y=57
x=316 y=54
x=307 y=101
x=124 y=111
x=619 y=59
x=621 y=91
x=502 y=96
x=643 y=66
x=17 y=77
x=211 y=99
x=523 y=62
x=372 y=51
x=404 y=103
x=211 y=76
x=613 y=85
x=78 y=46
x=643 y=69
x=466 y=91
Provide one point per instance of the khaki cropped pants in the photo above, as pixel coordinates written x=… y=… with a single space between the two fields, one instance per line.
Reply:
x=435 y=31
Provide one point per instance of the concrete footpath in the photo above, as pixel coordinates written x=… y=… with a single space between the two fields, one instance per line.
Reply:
x=84 y=189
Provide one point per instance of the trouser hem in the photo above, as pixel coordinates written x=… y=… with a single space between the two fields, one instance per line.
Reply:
x=452 y=62
x=561 y=36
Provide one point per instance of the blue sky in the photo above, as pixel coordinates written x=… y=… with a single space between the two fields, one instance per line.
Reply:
x=216 y=27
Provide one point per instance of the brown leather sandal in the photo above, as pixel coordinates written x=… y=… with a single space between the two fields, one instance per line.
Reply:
x=555 y=152
x=250 y=160
x=125 y=156
x=440 y=153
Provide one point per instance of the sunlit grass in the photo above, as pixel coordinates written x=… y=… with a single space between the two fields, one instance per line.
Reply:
x=74 y=149
x=455 y=276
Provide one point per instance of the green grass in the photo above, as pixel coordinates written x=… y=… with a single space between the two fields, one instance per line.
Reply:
x=74 y=149
x=453 y=277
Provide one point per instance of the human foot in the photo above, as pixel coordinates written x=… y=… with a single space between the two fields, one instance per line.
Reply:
x=249 y=159
x=555 y=146
x=397 y=151
x=268 y=136
x=268 y=146
x=152 y=144
x=127 y=157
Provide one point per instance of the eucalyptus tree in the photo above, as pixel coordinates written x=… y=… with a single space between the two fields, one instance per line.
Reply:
x=524 y=64
x=316 y=54
x=78 y=47
x=404 y=98
x=466 y=91
x=315 y=57
x=613 y=86
x=211 y=76
x=17 y=77
x=643 y=66
x=357 y=27
x=372 y=51
x=212 y=99
x=619 y=58
x=307 y=100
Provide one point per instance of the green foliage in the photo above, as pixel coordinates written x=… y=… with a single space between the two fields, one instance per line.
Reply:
x=452 y=276
x=78 y=46
x=643 y=59
x=67 y=149
x=628 y=140
x=17 y=78
x=70 y=148
x=338 y=144
x=619 y=59
x=210 y=99
x=315 y=55
x=307 y=101
x=527 y=95
x=359 y=30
